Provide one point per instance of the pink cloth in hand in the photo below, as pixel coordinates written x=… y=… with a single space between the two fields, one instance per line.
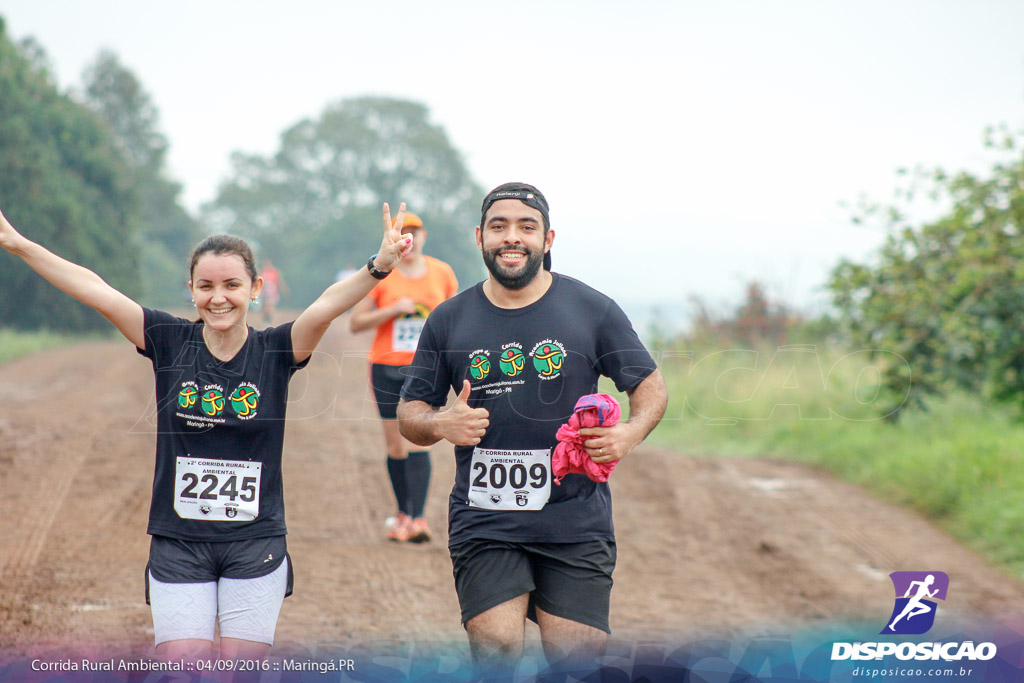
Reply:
x=592 y=410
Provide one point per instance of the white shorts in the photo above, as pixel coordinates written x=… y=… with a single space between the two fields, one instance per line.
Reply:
x=246 y=609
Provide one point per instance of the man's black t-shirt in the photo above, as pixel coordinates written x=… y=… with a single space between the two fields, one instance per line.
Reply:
x=528 y=367
x=220 y=432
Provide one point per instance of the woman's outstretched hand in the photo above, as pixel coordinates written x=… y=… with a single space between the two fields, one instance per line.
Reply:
x=395 y=245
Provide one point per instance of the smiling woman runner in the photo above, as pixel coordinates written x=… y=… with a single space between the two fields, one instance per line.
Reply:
x=218 y=553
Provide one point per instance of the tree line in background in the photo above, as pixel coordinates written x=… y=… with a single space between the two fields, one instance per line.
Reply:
x=314 y=206
x=85 y=174
x=65 y=180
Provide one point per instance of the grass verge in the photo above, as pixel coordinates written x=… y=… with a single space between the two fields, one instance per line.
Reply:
x=957 y=461
x=16 y=343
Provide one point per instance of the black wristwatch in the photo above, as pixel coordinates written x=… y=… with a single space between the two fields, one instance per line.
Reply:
x=379 y=274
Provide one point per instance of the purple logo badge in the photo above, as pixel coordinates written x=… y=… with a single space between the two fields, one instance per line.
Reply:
x=917 y=596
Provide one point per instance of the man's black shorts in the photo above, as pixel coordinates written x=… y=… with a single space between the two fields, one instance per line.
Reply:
x=172 y=560
x=568 y=580
x=387 y=381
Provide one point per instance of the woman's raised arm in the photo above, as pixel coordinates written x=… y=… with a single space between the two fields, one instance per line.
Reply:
x=78 y=282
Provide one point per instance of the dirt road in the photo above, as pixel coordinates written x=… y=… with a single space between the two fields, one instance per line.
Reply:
x=706 y=546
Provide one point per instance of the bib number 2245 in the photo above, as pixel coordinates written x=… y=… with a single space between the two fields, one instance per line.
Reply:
x=217 y=490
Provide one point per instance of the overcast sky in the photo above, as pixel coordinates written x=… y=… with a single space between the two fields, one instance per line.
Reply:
x=685 y=147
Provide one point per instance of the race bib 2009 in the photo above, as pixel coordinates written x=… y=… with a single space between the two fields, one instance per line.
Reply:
x=509 y=479
x=217 y=490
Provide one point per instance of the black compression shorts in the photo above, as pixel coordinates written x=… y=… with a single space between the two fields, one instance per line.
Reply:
x=387 y=381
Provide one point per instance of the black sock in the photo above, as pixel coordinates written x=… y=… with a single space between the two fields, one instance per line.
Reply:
x=399 y=484
x=417 y=477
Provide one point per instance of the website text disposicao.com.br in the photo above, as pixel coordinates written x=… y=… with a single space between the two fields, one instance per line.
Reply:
x=959 y=659
x=900 y=672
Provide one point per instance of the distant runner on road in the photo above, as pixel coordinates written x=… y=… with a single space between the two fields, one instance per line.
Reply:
x=519 y=350
x=273 y=284
x=218 y=554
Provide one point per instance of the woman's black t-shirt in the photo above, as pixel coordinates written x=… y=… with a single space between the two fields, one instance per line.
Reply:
x=220 y=432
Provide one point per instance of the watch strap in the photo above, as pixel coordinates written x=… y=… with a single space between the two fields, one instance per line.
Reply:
x=374 y=271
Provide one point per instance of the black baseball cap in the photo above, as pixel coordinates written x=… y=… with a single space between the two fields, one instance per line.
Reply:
x=527 y=194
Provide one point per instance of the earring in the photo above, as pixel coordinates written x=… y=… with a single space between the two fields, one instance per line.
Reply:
x=255 y=300
x=193 y=302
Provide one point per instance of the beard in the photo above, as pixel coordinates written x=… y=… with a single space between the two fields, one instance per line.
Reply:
x=510 y=279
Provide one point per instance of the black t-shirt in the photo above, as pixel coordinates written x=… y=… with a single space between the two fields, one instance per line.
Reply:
x=220 y=432
x=528 y=367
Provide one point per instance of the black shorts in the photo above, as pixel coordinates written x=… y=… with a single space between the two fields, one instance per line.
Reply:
x=568 y=580
x=173 y=560
x=387 y=381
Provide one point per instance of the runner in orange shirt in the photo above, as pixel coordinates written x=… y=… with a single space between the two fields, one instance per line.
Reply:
x=397 y=308
x=273 y=285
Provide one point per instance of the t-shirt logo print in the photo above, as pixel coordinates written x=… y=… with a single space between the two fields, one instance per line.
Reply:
x=213 y=401
x=916 y=594
x=244 y=401
x=548 y=357
x=187 y=395
x=479 y=365
x=512 y=360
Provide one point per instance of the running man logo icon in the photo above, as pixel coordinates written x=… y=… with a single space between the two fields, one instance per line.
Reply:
x=187 y=397
x=512 y=361
x=213 y=402
x=916 y=594
x=547 y=360
x=244 y=400
x=479 y=366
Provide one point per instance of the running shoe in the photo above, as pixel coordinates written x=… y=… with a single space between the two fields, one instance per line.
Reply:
x=419 y=532
x=399 y=530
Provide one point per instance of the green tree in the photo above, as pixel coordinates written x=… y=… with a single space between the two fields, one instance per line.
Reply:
x=314 y=207
x=167 y=231
x=948 y=295
x=64 y=183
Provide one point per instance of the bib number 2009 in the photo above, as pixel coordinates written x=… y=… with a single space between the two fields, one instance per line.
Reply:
x=510 y=480
x=217 y=490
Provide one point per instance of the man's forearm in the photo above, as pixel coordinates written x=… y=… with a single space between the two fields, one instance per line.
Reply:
x=647 y=403
x=417 y=422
